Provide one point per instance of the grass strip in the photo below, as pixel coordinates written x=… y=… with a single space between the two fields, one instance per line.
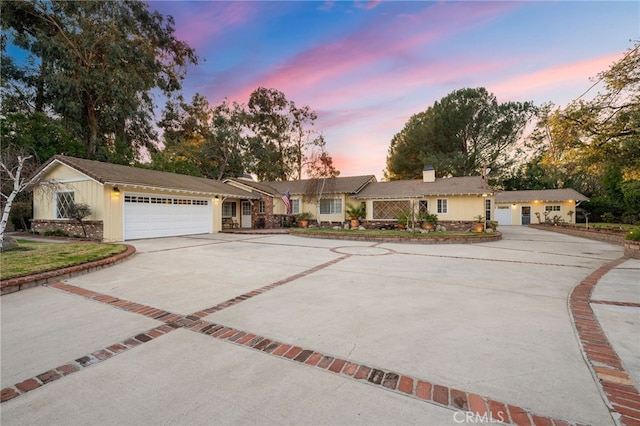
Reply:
x=34 y=257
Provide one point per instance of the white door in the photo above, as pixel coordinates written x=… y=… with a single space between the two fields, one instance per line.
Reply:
x=147 y=216
x=246 y=214
x=503 y=215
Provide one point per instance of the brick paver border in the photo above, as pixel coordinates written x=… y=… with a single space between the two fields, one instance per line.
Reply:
x=621 y=395
x=618 y=390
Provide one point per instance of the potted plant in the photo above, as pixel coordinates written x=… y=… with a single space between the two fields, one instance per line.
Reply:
x=355 y=213
x=303 y=219
x=478 y=225
x=429 y=220
x=492 y=224
x=403 y=219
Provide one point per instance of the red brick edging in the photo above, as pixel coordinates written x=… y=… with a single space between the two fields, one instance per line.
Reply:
x=22 y=283
x=619 y=392
x=458 y=239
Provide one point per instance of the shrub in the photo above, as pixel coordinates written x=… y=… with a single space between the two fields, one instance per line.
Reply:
x=55 y=233
x=608 y=217
x=633 y=235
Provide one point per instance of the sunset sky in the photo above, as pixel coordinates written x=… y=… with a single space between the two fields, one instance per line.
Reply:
x=366 y=67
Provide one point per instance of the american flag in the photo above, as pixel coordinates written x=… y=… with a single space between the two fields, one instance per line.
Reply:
x=286 y=199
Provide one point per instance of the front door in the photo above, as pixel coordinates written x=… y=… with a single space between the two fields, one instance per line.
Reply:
x=246 y=214
x=526 y=215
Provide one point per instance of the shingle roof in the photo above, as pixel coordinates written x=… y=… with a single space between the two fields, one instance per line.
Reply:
x=115 y=174
x=337 y=185
x=466 y=185
x=540 y=195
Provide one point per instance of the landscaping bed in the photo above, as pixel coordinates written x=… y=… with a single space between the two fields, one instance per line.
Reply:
x=398 y=236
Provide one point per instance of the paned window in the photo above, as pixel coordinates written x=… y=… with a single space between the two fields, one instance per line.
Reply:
x=261 y=207
x=389 y=210
x=423 y=207
x=552 y=208
x=295 y=205
x=487 y=208
x=330 y=206
x=229 y=209
x=64 y=201
x=443 y=207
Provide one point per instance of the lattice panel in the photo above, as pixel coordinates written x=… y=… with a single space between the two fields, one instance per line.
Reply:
x=385 y=210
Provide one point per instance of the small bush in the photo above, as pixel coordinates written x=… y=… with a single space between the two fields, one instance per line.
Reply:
x=634 y=235
x=55 y=233
x=608 y=217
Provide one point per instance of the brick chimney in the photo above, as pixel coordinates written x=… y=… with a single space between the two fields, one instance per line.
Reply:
x=428 y=174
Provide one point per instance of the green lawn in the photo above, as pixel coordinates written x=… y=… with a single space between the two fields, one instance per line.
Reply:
x=32 y=257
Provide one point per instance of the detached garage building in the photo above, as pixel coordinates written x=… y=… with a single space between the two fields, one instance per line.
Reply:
x=524 y=207
x=128 y=203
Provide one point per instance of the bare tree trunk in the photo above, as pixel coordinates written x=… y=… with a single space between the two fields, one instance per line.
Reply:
x=18 y=185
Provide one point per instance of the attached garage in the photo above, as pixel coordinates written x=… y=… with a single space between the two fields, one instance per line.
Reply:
x=151 y=216
x=503 y=214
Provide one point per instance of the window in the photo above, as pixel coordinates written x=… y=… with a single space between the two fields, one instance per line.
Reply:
x=443 y=207
x=487 y=208
x=423 y=207
x=229 y=209
x=389 y=210
x=261 y=207
x=64 y=201
x=552 y=208
x=295 y=206
x=331 y=206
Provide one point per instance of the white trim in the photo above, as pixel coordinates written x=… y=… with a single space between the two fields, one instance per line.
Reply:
x=54 y=162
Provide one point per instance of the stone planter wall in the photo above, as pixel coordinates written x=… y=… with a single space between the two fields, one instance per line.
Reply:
x=632 y=249
x=607 y=237
x=73 y=229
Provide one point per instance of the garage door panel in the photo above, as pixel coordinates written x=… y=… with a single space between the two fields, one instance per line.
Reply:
x=503 y=215
x=151 y=217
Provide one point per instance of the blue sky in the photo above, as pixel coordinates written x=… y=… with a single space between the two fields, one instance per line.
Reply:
x=366 y=67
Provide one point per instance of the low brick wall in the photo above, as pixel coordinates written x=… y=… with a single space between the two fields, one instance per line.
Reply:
x=604 y=236
x=355 y=236
x=632 y=249
x=94 y=227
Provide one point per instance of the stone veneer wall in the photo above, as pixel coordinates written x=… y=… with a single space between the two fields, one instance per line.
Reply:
x=632 y=249
x=607 y=237
x=94 y=227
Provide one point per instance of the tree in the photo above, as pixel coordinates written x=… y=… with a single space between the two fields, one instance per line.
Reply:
x=14 y=171
x=281 y=140
x=98 y=62
x=201 y=140
x=461 y=134
x=79 y=212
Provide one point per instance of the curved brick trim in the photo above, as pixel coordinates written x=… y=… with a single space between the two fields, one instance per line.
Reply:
x=21 y=283
x=402 y=239
x=619 y=392
x=632 y=249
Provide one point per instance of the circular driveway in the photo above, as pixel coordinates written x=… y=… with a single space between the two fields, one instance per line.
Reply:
x=263 y=329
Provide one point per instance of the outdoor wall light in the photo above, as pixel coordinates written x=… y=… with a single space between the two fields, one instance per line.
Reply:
x=116 y=189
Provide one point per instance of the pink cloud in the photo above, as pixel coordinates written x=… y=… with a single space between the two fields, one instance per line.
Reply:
x=559 y=78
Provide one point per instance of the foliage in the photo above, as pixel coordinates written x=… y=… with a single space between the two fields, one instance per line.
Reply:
x=355 y=212
x=201 y=140
x=15 y=168
x=403 y=217
x=95 y=65
x=479 y=218
x=79 y=212
x=608 y=217
x=55 y=233
x=21 y=212
x=304 y=216
x=593 y=145
x=459 y=135
x=36 y=257
x=281 y=142
x=430 y=218
x=633 y=235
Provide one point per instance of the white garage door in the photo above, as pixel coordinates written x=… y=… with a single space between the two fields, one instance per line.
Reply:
x=147 y=216
x=503 y=215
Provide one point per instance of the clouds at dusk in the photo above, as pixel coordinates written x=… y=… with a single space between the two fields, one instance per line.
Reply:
x=366 y=66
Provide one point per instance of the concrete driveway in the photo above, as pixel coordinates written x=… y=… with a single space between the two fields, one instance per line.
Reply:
x=279 y=329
